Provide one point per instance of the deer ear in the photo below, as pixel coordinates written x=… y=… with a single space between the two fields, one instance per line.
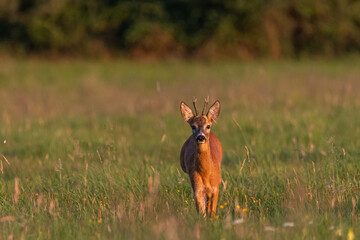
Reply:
x=186 y=112
x=214 y=111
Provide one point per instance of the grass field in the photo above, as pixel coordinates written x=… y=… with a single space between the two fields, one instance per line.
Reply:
x=90 y=149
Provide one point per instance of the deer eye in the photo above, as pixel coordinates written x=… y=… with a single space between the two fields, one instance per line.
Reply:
x=208 y=126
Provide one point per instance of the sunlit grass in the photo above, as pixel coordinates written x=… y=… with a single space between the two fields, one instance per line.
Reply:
x=91 y=150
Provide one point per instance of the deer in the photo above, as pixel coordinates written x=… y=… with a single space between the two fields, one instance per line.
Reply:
x=201 y=156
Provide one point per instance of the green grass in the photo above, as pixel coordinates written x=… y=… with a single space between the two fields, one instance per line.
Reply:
x=94 y=146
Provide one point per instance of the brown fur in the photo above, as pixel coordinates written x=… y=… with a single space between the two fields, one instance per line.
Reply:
x=202 y=161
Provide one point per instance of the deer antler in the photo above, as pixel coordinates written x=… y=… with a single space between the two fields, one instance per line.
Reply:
x=206 y=102
x=194 y=102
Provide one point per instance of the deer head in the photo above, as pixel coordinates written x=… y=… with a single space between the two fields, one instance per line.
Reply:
x=200 y=124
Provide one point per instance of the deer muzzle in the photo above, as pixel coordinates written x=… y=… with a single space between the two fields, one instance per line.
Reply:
x=201 y=138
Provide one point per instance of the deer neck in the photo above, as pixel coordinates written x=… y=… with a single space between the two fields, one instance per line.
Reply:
x=203 y=148
x=203 y=156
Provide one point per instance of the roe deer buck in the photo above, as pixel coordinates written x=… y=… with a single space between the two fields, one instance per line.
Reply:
x=201 y=156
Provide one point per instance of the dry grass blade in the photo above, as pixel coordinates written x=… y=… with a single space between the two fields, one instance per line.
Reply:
x=51 y=207
x=242 y=165
x=7 y=219
x=16 y=190
x=247 y=153
x=7 y=161
x=353 y=206
x=313 y=164
x=163 y=138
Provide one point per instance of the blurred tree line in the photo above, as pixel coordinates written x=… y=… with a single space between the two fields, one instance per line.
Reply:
x=182 y=28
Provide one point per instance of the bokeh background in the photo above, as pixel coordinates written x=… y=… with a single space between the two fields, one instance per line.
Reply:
x=181 y=28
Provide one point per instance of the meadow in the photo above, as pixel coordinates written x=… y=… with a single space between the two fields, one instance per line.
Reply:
x=90 y=149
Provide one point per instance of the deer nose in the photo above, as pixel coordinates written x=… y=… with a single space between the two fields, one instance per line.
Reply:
x=200 y=138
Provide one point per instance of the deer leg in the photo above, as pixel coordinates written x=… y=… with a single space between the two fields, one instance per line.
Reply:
x=214 y=203
x=200 y=201
x=208 y=203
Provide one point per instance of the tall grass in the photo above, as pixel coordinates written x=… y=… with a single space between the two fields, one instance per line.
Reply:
x=91 y=149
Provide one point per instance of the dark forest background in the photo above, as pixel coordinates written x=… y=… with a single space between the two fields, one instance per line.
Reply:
x=181 y=28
